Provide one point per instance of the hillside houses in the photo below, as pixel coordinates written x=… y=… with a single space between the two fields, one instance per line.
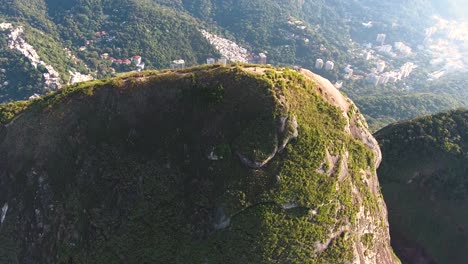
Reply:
x=17 y=42
x=227 y=48
x=134 y=60
x=76 y=77
x=231 y=52
x=178 y=64
x=5 y=26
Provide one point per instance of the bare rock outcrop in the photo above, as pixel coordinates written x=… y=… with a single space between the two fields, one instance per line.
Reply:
x=287 y=130
x=356 y=126
x=372 y=228
x=257 y=164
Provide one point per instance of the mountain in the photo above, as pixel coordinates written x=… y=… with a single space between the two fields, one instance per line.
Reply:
x=386 y=108
x=425 y=185
x=159 y=31
x=73 y=36
x=203 y=165
x=83 y=39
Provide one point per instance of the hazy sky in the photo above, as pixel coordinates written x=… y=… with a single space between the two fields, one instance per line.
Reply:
x=457 y=7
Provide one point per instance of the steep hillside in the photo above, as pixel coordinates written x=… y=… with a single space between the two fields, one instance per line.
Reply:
x=204 y=165
x=84 y=39
x=386 y=108
x=72 y=36
x=161 y=30
x=424 y=176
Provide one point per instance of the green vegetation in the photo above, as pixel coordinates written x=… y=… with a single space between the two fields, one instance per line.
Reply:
x=125 y=173
x=23 y=79
x=156 y=32
x=10 y=110
x=368 y=240
x=383 y=108
x=291 y=33
x=161 y=31
x=424 y=182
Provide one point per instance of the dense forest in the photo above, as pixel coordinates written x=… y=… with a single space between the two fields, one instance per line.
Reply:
x=425 y=185
x=385 y=106
x=75 y=35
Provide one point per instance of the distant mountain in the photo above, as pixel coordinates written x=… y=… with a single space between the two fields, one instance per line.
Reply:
x=162 y=31
x=83 y=36
x=424 y=176
x=82 y=39
x=203 y=165
x=386 y=108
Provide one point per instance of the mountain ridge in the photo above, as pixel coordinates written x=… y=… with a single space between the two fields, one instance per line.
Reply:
x=154 y=156
x=100 y=38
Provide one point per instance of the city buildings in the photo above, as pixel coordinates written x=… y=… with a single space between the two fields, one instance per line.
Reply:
x=4 y=26
x=227 y=48
x=136 y=60
x=178 y=64
x=34 y=96
x=338 y=84
x=406 y=69
x=384 y=78
x=391 y=76
x=385 y=49
x=210 y=61
x=380 y=66
x=319 y=64
x=222 y=61
x=16 y=41
x=381 y=38
x=402 y=48
x=141 y=66
x=262 y=58
x=329 y=65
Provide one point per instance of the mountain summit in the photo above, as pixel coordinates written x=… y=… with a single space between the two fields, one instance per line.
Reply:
x=238 y=164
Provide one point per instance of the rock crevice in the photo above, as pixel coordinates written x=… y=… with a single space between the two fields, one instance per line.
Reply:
x=287 y=130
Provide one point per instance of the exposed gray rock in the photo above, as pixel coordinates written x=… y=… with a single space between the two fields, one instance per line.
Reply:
x=257 y=164
x=367 y=222
x=4 y=212
x=222 y=220
x=285 y=125
x=213 y=157
x=332 y=162
x=292 y=133
x=282 y=124
x=287 y=206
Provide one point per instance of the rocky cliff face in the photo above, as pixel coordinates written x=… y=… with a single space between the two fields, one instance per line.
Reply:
x=372 y=222
x=206 y=165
